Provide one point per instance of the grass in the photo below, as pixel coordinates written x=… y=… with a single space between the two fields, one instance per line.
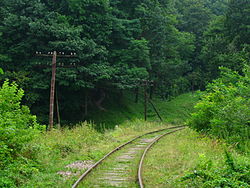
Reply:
x=178 y=154
x=178 y=110
x=175 y=111
x=56 y=149
x=165 y=165
x=112 y=162
x=60 y=148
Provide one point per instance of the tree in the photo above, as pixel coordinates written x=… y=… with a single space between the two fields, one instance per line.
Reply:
x=237 y=22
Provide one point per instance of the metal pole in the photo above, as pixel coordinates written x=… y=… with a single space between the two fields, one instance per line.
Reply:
x=52 y=91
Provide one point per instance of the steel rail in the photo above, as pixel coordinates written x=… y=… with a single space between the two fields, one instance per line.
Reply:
x=140 y=180
x=116 y=149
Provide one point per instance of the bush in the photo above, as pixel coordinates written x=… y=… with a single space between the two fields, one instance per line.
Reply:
x=235 y=174
x=17 y=128
x=224 y=108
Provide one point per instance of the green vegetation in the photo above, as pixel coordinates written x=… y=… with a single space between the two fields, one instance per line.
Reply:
x=52 y=151
x=234 y=173
x=170 y=161
x=224 y=109
x=112 y=162
x=176 y=45
x=17 y=129
x=224 y=112
x=60 y=148
x=118 y=44
x=175 y=111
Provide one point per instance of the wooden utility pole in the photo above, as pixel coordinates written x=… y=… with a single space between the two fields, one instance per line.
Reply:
x=52 y=91
x=147 y=83
x=53 y=81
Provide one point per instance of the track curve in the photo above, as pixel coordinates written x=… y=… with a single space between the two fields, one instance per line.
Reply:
x=80 y=179
x=139 y=175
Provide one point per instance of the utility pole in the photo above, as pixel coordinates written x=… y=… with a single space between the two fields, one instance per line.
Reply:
x=53 y=81
x=147 y=83
x=52 y=91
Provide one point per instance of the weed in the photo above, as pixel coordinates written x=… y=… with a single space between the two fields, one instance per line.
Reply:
x=235 y=174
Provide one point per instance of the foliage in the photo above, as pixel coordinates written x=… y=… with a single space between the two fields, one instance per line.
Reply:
x=235 y=174
x=17 y=128
x=224 y=108
x=225 y=41
x=179 y=44
x=117 y=43
x=237 y=22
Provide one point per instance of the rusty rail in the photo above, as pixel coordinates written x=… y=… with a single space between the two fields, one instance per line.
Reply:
x=140 y=180
x=116 y=149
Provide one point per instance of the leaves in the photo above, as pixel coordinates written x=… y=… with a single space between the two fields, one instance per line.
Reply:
x=224 y=109
x=17 y=127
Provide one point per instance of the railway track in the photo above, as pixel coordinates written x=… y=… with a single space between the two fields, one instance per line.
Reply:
x=123 y=161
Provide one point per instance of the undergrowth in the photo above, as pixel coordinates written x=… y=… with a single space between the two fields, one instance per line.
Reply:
x=17 y=129
x=57 y=149
x=88 y=141
x=224 y=113
x=236 y=173
x=224 y=109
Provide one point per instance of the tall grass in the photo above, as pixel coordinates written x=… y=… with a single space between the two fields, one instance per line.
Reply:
x=87 y=141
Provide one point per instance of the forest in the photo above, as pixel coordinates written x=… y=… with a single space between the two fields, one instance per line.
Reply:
x=179 y=46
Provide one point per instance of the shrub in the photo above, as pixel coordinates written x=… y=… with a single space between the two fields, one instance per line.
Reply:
x=224 y=108
x=17 y=128
x=206 y=174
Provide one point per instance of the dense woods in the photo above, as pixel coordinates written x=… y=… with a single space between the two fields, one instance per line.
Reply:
x=180 y=45
x=177 y=44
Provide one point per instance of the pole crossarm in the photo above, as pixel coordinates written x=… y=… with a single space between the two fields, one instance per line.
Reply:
x=60 y=54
